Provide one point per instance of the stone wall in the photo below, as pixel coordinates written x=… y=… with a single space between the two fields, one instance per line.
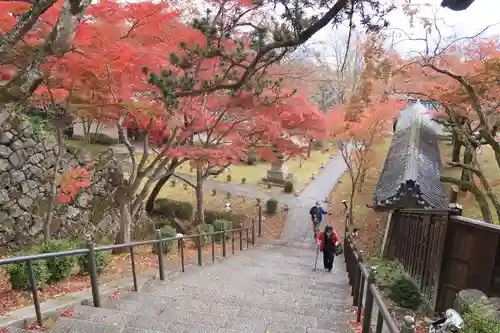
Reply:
x=27 y=160
x=467 y=297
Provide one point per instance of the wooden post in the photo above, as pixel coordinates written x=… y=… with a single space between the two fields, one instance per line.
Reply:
x=454 y=192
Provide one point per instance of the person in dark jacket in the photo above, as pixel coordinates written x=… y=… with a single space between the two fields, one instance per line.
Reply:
x=327 y=241
x=317 y=212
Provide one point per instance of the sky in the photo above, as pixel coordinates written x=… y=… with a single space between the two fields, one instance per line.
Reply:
x=464 y=23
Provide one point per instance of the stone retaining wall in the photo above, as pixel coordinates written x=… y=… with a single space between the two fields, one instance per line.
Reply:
x=467 y=297
x=27 y=159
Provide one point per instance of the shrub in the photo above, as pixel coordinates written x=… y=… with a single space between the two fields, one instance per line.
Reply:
x=243 y=180
x=404 y=292
x=166 y=232
x=211 y=216
x=60 y=267
x=272 y=206
x=251 y=158
x=18 y=273
x=288 y=187
x=204 y=229
x=184 y=211
x=229 y=178
x=101 y=261
x=221 y=225
x=318 y=144
x=103 y=139
x=481 y=318
x=171 y=208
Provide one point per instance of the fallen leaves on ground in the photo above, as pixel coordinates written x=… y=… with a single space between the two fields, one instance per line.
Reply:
x=68 y=313
x=116 y=295
x=272 y=226
x=35 y=327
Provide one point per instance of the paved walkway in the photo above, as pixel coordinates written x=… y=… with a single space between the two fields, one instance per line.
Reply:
x=298 y=227
x=264 y=289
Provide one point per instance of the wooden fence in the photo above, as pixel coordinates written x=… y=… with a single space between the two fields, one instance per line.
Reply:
x=445 y=253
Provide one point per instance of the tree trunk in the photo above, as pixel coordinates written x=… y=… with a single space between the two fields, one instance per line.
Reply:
x=53 y=189
x=200 y=209
x=468 y=158
x=455 y=157
x=351 y=205
x=124 y=235
x=483 y=205
x=156 y=190
x=476 y=192
x=122 y=197
x=362 y=176
x=86 y=131
x=309 y=148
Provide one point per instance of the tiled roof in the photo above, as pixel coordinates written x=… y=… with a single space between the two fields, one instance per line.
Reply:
x=410 y=176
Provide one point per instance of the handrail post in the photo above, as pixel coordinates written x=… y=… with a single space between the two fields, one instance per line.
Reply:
x=181 y=246
x=260 y=217
x=160 y=255
x=367 y=315
x=408 y=325
x=357 y=279
x=213 y=248
x=232 y=242
x=200 y=251
x=224 y=243
x=380 y=322
x=241 y=239
x=93 y=272
x=253 y=232
x=247 y=231
x=134 y=274
x=34 y=291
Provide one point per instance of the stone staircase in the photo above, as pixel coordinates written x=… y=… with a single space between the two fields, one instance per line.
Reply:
x=265 y=289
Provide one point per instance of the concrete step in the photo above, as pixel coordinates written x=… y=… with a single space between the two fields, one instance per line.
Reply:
x=265 y=289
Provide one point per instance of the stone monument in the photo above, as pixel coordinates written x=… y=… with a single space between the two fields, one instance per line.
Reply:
x=278 y=174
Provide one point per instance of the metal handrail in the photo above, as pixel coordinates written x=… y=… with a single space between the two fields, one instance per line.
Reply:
x=41 y=256
x=358 y=275
x=90 y=251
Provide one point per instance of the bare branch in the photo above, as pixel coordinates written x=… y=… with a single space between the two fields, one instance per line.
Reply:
x=23 y=25
x=301 y=38
x=185 y=180
x=126 y=142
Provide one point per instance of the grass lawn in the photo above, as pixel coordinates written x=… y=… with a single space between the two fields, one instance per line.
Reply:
x=371 y=224
x=92 y=148
x=490 y=169
x=253 y=174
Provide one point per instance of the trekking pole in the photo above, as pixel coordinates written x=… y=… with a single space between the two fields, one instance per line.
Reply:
x=316 y=261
